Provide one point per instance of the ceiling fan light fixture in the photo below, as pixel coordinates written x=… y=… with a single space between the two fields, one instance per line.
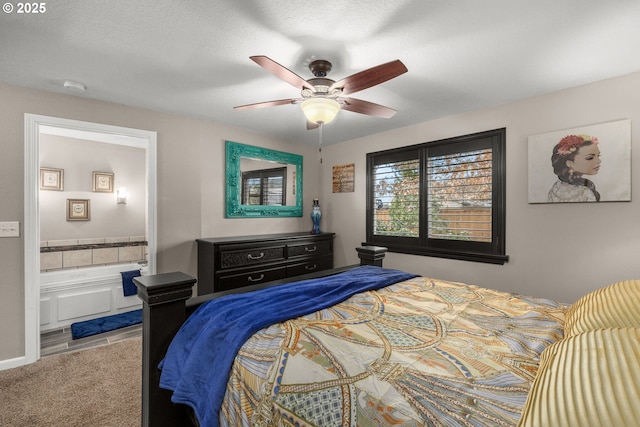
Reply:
x=320 y=110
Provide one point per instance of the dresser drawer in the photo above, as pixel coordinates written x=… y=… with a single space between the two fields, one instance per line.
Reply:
x=246 y=257
x=316 y=264
x=318 y=248
x=248 y=278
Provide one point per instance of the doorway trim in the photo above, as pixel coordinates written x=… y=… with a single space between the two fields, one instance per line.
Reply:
x=34 y=124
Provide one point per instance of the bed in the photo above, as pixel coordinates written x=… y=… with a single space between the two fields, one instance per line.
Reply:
x=371 y=346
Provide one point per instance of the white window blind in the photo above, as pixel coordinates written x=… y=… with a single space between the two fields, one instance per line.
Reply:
x=459 y=195
x=397 y=198
x=273 y=189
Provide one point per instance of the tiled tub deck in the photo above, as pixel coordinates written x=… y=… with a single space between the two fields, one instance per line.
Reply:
x=63 y=254
x=81 y=280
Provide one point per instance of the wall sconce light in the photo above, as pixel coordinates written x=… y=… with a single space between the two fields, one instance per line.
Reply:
x=122 y=194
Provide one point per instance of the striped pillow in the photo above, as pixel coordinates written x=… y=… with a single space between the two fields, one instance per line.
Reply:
x=588 y=380
x=615 y=306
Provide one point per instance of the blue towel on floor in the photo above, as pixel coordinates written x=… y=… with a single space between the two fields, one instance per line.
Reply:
x=128 y=287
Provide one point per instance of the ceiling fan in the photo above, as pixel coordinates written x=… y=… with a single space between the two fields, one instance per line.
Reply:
x=322 y=98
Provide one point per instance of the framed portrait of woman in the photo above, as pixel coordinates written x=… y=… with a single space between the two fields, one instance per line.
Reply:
x=589 y=163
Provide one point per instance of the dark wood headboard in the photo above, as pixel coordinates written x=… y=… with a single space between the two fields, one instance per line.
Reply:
x=167 y=302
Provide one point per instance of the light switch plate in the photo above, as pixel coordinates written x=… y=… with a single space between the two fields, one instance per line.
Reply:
x=9 y=229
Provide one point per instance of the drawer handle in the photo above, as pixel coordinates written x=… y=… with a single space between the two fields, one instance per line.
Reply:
x=251 y=279
x=255 y=257
x=306 y=249
x=310 y=267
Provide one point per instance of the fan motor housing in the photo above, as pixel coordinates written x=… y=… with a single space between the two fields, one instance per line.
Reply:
x=321 y=83
x=320 y=67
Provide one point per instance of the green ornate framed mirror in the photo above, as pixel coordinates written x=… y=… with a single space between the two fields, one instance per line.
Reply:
x=261 y=182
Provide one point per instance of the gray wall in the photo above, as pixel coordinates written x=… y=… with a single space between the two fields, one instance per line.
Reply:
x=79 y=159
x=558 y=251
x=190 y=200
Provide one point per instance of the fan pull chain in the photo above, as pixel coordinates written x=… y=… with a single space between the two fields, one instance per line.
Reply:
x=320 y=142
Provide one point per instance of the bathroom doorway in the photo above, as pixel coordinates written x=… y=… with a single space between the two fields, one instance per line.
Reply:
x=41 y=128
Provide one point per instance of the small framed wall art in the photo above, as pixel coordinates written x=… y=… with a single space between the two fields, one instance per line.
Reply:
x=52 y=179
x=343 y=178
x=102 y=182
x=78 y=210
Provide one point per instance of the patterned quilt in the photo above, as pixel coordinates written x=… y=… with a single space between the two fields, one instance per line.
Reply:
x=421 y=352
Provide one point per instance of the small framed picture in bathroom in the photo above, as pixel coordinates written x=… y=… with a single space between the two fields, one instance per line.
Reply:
x=52 y=179
x=78 y=209
x=102 y=182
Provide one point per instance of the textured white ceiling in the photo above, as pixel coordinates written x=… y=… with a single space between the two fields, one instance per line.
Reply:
x=192 y=57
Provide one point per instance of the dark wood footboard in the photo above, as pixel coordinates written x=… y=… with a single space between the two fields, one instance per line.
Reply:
x=167 y=303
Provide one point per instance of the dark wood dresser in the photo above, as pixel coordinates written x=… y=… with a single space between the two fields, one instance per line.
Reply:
x=233 y=262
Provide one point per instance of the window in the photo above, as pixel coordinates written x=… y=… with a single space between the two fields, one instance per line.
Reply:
x=264 y=187
x=443 y=198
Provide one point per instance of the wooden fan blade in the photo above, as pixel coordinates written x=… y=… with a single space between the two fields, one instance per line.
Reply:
x=267 y=104
x=311 y=125
x=282 y=72
x=366 y=107
x=370 y=77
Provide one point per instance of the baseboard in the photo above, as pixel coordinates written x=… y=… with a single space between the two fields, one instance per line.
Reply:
x=12 y=363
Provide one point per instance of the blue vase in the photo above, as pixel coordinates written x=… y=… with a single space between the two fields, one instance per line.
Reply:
x=315 y=217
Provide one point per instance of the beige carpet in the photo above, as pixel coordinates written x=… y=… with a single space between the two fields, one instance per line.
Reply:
x=99 y=387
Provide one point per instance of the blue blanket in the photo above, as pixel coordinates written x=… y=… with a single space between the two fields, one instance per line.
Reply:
x=198 y=361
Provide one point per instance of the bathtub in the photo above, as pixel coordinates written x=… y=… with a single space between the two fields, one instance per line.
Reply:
x=68 y=296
